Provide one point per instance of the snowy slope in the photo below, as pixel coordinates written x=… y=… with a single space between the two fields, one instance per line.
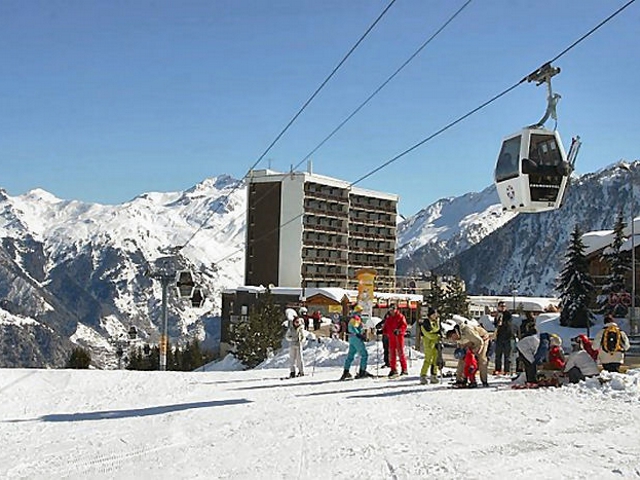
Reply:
x=250 y=424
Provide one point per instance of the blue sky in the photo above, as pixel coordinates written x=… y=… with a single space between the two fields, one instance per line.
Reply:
x=103 y=101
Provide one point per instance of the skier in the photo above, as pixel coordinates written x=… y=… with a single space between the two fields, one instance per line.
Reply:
x=295 y=337
x=504 y=336
x=304 y=313
x=533 y=351
x=477 y=339
x=430 y=331
x=395 y=327
x=356 y=346
x=385 y=339
x=580 y=364
x=583 y=341
x=612 y=343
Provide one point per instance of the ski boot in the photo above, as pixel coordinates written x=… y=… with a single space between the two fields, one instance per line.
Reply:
x=404 y=372
x=363 y=374
x=434 y=379
x=393 y=374
x=423 y=380
x=292 y=375
x=346 y=375
x=301 y=374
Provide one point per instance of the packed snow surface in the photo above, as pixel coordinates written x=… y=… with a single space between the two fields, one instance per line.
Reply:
x=224 y=422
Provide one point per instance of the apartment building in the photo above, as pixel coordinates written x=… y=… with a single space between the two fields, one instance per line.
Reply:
x=311 y=231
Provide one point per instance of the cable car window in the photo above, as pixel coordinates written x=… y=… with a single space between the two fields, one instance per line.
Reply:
x=544 y=150
x=508 y=160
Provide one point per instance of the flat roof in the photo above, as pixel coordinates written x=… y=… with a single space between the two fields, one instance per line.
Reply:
x=266 y=175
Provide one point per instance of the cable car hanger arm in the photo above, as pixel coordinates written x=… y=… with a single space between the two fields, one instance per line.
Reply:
x=540 y=76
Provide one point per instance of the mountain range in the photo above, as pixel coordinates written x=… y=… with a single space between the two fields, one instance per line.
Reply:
x=74 y=273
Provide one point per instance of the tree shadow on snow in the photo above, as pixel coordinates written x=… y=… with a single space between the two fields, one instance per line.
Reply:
x=134 y=412
x=375 y=386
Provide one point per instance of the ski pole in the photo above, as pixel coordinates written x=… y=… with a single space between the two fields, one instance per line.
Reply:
x=377 y=354
x=315 y=355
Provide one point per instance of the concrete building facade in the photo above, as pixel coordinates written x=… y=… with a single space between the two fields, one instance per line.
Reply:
x=311 y=231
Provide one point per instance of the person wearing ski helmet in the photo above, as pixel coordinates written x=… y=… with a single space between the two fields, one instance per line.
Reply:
x=295 y=337
x=356 y=345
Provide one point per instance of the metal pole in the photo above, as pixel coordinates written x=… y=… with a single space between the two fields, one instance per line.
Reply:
x=632 y=320
x=163 y=337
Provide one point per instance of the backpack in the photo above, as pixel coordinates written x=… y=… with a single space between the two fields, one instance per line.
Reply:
x=611 y=339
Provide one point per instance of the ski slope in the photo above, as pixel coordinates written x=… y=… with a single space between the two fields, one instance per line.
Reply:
x=230 y=424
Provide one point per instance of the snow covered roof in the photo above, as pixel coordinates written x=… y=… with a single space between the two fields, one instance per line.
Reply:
x=333 y=293
x=596 y=240
x=533 y=304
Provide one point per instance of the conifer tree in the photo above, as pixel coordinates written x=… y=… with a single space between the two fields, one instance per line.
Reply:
x=435 y=297
x=619 y=266
x=260 y=334
x=575 y=285
x=455 y=300
x=80 y=358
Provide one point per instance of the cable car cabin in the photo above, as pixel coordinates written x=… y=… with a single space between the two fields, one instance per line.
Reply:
x=532 y=171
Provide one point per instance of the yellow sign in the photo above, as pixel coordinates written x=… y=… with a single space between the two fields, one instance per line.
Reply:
x=366 y=282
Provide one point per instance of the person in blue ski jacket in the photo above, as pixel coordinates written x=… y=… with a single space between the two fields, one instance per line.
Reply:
x=355 y=329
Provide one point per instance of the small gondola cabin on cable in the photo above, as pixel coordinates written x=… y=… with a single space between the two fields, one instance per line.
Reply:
x=532 y=172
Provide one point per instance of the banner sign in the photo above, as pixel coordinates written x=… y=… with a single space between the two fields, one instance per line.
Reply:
x=366 y=281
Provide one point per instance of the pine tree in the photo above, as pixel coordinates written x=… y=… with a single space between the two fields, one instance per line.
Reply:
x=455 y=300
x=435 y=297
x=79 y=359
x=619 y=267
x=260 y=334
x=575 y=285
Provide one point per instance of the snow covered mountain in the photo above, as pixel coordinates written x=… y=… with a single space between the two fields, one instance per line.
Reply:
x=448 y=227
x=78 y=270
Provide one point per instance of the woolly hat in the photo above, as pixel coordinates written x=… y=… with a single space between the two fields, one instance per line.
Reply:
x=431 y=311
x=358 y=308
x=290 y=313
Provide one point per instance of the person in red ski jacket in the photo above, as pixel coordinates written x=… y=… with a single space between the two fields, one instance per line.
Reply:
x=470 y=368
x=556 y=358
x=395 y=327
x=588 y=346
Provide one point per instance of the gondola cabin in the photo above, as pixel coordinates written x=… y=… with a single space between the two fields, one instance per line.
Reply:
x=532 y=171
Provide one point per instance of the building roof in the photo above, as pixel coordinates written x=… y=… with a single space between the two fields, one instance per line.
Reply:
x=266 y=175
x=534 y=304
x=333 y=293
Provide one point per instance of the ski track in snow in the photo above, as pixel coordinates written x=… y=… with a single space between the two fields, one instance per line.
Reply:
x=247 y=425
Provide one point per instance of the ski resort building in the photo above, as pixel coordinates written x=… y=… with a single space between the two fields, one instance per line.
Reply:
x=310 y=231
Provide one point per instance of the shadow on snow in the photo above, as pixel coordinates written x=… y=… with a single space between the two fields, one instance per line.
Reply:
x=135 y=412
